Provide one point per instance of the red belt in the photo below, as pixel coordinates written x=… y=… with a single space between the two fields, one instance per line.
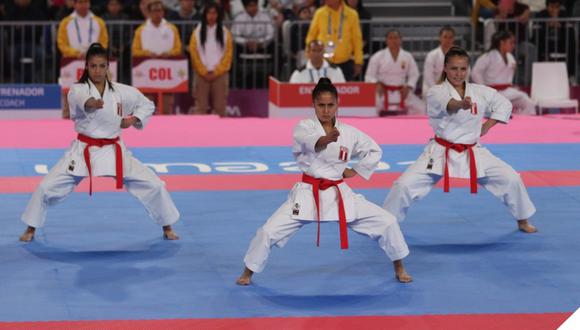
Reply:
x=91 y=142
x=500 y=87
x=472 y=167
x=390 y=88
x=323 y=184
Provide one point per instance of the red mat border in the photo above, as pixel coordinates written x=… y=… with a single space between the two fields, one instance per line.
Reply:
x=537 y=321
x=236 y=182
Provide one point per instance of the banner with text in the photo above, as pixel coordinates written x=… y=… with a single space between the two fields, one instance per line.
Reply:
x=30 y=97
x=154 y=75
x=71 y=69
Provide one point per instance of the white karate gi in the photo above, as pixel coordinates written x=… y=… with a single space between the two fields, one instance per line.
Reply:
x=310 y=74
x=432 y=69
x=465 y=128
x=383 y=68
x=103 y=123
x=490 y=69
x=362 y=216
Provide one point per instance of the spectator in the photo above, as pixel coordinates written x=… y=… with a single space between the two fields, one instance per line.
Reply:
x=76 y=32
x=526 y=52
x=157 y=38
x=573 y=6
x=338 y=27
x=23 y=47
x=187 y=11
x=511 y=9
x=483 y=9
x=253 y=33
x=496 y=68
x=119 y=34
x=555 y=39
x=535 y=6
x=140 y=13
x=433 y=66
x=211 y=49
x=363 y=15
x=79 y=30
x=59 y=12
x=317 y=67
x=395 y=72
x=298 y=34
x=252 y=29
x=225 y=6
x=172 y=5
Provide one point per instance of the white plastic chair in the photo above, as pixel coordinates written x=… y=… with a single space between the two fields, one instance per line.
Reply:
x=550 y=86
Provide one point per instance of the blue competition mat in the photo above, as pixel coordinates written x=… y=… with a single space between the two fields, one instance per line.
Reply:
x=523 y=157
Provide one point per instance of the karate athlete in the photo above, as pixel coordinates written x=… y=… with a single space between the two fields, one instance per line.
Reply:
x=456 y=110
x=433 y=66
x=100 y=109
x=322 y=147
x=496 y=69
x=395 y=72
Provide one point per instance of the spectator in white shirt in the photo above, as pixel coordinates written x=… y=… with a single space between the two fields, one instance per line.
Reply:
x=252 y=29
x=317 y=67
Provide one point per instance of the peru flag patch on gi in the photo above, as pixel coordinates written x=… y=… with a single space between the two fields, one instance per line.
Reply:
x=343 y=154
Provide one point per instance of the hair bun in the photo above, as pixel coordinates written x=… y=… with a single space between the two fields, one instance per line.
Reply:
x=95 y=45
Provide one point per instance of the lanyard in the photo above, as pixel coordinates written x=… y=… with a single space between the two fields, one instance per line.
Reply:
x=312 y=76
x=329 y=31
x=79 y=31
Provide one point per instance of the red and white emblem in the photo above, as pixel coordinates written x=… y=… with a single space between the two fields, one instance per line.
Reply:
x=343 y=154
x=474 y=109
x=119 y=109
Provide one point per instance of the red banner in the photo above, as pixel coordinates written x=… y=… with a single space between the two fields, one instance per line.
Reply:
x=295 y=100
x=351 y=94
x=155 y=75
x=71 y=69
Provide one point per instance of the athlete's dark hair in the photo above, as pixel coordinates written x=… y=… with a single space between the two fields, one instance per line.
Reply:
x=324 y=85
x=498 y=37
x=95 y=49
x=219 y=33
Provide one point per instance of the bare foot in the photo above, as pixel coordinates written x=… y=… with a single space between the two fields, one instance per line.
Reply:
x=245 y=278
x=169 y=234
x=526 y=227
x=400 y=272
x=28 y=234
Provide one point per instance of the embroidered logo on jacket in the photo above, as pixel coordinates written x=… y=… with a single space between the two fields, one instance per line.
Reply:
x=71 y=166
x=474 y=108
x=296 y=209
x=343 y=154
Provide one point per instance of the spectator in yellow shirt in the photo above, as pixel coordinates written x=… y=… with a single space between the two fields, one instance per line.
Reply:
x=338 y=27
x=211 y=49
x=157 y=38
x=76 y=32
